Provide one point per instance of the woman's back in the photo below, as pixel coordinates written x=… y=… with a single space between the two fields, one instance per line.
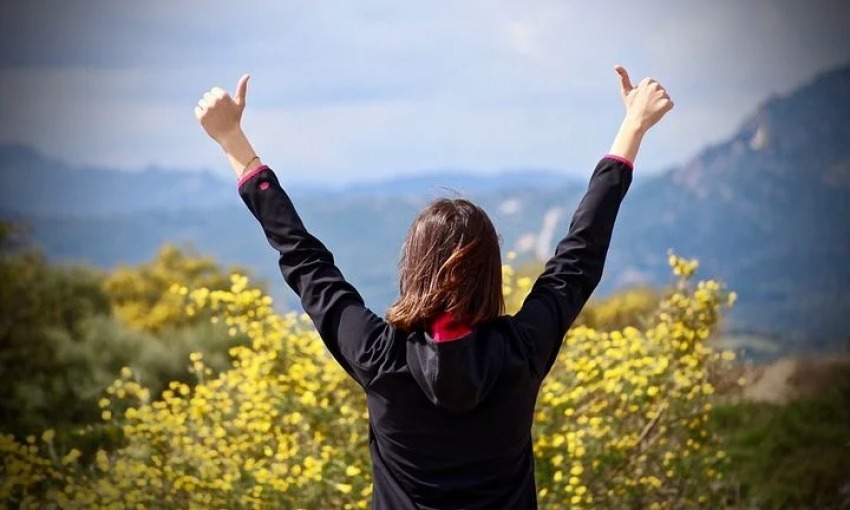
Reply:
x=450 y=422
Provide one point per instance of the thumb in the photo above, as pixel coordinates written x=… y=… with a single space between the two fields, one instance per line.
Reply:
x=241 y=90
x=625 y=82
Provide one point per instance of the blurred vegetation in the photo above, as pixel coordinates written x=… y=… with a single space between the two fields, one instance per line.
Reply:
x=622 y=420
x=174 y=383
x=139 y=295
x=44 y=311
x=629 y=307
x=67 y=330
x=793 y=455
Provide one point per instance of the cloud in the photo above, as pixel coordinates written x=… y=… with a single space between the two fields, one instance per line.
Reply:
x=375 y=88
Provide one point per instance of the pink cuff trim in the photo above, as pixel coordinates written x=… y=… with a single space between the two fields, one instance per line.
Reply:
x=621 y=160
x=444 y=329
x=251 y=173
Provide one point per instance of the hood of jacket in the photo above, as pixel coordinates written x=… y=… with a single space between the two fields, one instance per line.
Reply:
x=456 y=372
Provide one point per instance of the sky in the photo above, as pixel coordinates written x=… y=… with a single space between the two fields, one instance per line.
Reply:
x=358 y=91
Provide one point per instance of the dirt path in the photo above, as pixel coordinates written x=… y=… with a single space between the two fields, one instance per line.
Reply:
x=788 y=378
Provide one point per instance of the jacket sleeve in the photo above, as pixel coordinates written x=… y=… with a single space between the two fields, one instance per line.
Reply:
x=353 y=334
x=571 y=275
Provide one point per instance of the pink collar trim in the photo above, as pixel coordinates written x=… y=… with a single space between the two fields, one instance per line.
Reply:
x=444 y=329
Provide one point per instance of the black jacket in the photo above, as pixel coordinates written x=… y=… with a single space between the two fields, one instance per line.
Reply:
x=450 y=422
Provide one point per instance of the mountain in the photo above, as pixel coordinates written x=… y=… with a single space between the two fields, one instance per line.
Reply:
x=32 y=184
x=766 y=211
x=447 y=182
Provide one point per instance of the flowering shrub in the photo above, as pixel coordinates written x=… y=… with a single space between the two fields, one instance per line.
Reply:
x=138 y=294
x=621 y=420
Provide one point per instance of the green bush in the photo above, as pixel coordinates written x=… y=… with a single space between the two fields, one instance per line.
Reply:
x=60 y=345
x=795 y=455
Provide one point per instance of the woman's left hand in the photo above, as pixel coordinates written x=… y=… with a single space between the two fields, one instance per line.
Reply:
x=219 y=114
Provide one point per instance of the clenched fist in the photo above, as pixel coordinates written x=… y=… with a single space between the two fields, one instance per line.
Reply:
x=646 y=103
x=219 y=114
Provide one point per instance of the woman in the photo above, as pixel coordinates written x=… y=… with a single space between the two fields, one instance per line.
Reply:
x=450 y=381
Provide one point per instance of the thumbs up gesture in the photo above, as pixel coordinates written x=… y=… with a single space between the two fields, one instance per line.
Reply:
x=219 y=114
x=645 y=103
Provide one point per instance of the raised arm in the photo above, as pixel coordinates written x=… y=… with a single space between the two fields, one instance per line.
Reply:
x=573 y=273
x=352 y=333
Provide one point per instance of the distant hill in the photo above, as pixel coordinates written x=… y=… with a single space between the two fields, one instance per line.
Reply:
x=767 y=210
x=32 y=184
x=86 y=192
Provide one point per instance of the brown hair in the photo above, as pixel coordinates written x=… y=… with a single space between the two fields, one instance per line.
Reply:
x=450 y=262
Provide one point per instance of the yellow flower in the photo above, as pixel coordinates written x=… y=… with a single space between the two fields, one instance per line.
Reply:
x=102 y=460
x=72 y=456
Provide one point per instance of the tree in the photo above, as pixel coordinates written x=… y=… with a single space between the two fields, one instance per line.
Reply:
x=61 y=346
x=38 y=304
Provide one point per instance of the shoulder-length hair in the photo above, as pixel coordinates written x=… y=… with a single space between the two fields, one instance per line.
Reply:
x=450 y=263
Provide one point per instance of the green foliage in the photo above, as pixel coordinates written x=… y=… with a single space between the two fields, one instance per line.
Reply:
x=60 y=386
x=60 y=347
x=42 y=307
x=795 y=455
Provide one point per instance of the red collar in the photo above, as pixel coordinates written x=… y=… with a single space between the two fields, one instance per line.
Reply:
x=444 y=329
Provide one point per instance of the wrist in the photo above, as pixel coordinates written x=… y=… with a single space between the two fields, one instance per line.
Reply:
x=633 y=126
x=628 y=140
x=239 y=151
x=231 y=139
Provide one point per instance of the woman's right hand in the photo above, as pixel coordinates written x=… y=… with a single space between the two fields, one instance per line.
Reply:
x=646 y=103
